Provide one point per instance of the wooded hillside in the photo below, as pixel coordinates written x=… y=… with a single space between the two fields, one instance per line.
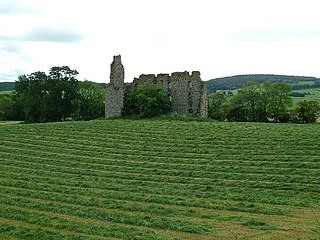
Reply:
x=236 y=82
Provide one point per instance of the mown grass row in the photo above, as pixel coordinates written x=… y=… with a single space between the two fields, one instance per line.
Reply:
x=191 y=184
x=192 y=146
x=172 y=152
x=158 y=156
x=203 y=177
x=147 y=179
x=286 y=150
x=166 y=179
x=155 y=193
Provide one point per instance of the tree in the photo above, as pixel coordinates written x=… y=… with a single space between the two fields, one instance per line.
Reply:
x=48 y=97
x=90 y=101
x=257 y=102
x=278 y=100
x=18 y=113
x=236 y=111
x=250 y=101
x=30 y=92
x=152 y=100
x=130 y=105
x=306 y=112
x=6 y=107
x=61 y=93
x=218 y=105
x=148 y=100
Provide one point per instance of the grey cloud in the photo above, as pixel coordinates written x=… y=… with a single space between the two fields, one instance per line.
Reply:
x=53 y=34
x=12 y=48
x=11 y=7
x=62 y=34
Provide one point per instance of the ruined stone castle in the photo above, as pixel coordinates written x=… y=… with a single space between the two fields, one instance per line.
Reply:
x=187 y=92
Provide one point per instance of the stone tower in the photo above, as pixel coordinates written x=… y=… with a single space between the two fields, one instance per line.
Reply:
x=115 y=89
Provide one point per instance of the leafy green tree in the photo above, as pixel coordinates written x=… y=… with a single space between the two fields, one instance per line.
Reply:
x=130 y=106
x=250 y=101
x=61 y=93
x=306 y=112
x=90 y=101
x=278 y=100
x=254 y=101
x=48 y=97
x=148 y=100
x=152 y=100
x=236 y=111
x=257 y=102
x=18 y=113
x=218 y=105
x=30 y=91
x=6 y=107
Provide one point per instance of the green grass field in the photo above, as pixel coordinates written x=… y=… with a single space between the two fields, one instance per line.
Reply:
x=314 y=95
x=5 y=92
x=159 y=179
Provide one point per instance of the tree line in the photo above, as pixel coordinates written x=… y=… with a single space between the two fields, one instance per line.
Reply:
x=261 y=102
x=57 y=96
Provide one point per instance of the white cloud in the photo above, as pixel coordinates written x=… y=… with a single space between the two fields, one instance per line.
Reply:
x=275 y=35
x=218 y=38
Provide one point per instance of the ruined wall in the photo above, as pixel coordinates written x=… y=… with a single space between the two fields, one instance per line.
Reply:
x=200 y=95
x=204 y=102
x=115 y=89
x=179 y=92
x=188 y=93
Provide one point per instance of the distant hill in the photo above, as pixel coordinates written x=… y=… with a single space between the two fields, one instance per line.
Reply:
x=7 y=86
x=10 y=86
x=236 y=82
x=103 y=85
x=233 y=82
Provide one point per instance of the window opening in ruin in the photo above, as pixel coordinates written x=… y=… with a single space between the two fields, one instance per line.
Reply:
x=189 y=102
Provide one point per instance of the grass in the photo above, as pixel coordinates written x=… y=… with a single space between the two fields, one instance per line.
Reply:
x=313 y=94
x=9 y=122
x=5 y=92
x=159 y=179
x=305 y=83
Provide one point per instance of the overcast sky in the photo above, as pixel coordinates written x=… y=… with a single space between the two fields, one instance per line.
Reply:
x=217 y=37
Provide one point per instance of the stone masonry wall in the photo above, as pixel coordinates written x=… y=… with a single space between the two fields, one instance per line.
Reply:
x=179 y=92
x=115 y=89
x=204 y=102
x=187 y=93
